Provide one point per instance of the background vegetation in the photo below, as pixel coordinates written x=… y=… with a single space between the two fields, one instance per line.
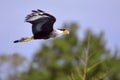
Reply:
x=66 y=58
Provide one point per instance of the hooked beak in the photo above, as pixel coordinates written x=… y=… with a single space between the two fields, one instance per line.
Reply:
x=66 y=32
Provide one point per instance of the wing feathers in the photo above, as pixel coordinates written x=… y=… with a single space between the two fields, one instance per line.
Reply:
x=38 y=14
x=35 y=15
x=42 y=23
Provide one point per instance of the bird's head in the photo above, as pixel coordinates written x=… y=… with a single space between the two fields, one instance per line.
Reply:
x=59 y=32
x=65 y=31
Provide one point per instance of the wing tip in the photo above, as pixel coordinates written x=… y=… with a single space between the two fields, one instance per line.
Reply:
x=36 y=14
x=33 y=14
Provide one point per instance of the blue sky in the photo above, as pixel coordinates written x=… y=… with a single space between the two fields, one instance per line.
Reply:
x=99 y=15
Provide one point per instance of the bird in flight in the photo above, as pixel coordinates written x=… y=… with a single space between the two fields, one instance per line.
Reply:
x=42 y=26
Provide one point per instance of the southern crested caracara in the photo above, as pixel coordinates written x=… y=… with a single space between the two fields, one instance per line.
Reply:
x=42 y=26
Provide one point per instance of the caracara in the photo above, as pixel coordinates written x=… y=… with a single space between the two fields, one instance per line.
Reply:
x=42 y=26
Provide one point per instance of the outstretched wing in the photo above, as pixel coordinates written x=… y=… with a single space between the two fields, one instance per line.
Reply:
x=41 y=21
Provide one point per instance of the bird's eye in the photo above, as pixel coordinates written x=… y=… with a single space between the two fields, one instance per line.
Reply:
x=62 y=29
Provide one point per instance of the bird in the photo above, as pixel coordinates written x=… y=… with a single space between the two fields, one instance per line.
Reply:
x=42 y=26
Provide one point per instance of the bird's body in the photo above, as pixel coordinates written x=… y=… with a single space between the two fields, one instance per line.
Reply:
x=42 y=26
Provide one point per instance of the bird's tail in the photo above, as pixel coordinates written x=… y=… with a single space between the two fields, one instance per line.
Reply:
x=26 y=39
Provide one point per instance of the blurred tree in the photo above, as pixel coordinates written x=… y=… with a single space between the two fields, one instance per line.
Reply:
x=15 y=63
x=96 y=61
x=74 y=59
x=10 y=66
x=3 y=59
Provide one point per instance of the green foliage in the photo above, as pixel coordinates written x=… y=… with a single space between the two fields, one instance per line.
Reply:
x=10 y=66
x=69 y=58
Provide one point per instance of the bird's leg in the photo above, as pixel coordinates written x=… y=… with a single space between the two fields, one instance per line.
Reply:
x=26 y=39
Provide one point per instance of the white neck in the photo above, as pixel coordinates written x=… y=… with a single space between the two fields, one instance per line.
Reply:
x=57 y=33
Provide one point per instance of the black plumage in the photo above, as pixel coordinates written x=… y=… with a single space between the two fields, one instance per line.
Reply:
x=42 y=24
